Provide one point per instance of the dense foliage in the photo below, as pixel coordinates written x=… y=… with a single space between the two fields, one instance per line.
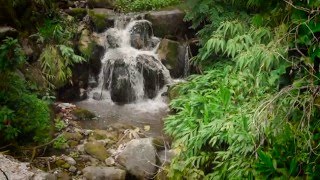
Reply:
x=254 y=112
x=57 y=56
x=143 y=5
x=24 y=104
x=22 y=114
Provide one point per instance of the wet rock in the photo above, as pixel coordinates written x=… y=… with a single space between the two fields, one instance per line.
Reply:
x=153 y=76
x=124 y=79
x=173 y=55
x=139 y=158
x=113 y=38
x=97 y=96
x=168 y=23
x=95 y=62
x=103 y=173
x=140 y=35
x=97 y=150
x=121 y=90
x=6 y=31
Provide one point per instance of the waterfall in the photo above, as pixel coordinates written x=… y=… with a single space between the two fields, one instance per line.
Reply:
x=131 y=70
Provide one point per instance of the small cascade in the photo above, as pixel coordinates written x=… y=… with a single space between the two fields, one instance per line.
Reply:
x=131 y=70
x=186 y=70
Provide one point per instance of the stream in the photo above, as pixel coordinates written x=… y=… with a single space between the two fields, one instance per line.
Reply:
x=132 y=85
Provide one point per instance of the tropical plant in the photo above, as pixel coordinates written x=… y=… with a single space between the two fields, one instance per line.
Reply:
x=236 y=121
x=57 y=57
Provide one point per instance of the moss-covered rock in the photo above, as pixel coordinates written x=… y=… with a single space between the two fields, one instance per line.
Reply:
x=172 y=55
x=97 y=150
x=101 y=4
x=99 y=134
x=173 y=92
x=99 y=20
x=76 y=136
x=86 y=44
x=168 y=23
x=83 y=114
x=78 y=13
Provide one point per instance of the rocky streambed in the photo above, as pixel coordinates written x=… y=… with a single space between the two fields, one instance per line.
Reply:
x=118 y=151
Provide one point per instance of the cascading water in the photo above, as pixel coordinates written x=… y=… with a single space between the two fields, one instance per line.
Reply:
x=132 y=79
x=131 y=69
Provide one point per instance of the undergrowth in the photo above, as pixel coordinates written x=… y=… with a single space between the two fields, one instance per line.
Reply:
x=254 y=112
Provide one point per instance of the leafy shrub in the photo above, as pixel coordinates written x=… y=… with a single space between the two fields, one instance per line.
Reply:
x=60 y=143
x=56 y=61
x=11 y=55
x=143 y=5
x=58 y=56
x=59 y=124
x=23 y=116
x=233 y=121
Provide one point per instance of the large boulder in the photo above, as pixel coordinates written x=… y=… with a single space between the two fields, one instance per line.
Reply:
x=153 y=74
x=139 y=158
x=140 y=35
x=168 y=24
x=99 y=21
x=13 y=169
x=113 y=38
x=129 y=81
x=103 y=173
x=173 y=55
x=117 y=80
x=105 y=16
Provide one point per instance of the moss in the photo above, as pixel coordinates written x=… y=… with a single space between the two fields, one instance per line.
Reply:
x=173 y=92
x=169 y=51
x=78 y=13
x=97 y=150
x=72 y=136
x=83 y=114
x=99 y=20
x=86 y=45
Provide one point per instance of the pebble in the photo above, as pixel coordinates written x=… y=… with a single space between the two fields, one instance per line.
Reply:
x=73 y=169
x=69 y=160
x=109 y=161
